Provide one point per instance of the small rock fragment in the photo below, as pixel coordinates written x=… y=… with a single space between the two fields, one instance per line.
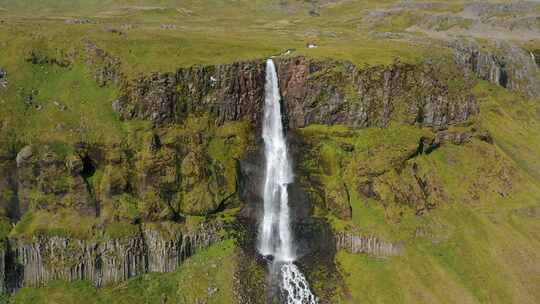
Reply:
x=3 y=78
x=24 y=155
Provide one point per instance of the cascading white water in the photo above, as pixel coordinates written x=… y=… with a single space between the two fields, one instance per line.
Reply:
x=296 y=286
x=275 y=237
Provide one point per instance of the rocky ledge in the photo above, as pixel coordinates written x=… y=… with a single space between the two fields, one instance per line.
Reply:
x=501 y=63
x=42 y=259
x=431 y=93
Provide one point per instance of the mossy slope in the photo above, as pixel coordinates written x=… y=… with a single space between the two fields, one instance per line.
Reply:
x=478 y=241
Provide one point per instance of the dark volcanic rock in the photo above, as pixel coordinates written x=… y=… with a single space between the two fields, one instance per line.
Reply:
x=3 y=78
x=502 y=63
x=229 y=92
x=250 y=183
x=336 y=92
x=8 y=178
x=313 y=91
x=46 y=258
x=535 y=55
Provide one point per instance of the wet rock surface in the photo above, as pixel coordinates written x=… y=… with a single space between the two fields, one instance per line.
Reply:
x=314 y=243
x=251 y=180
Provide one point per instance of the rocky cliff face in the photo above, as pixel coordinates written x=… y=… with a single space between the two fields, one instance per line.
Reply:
x=68 y=200
x=337 y=166
x=200 y=157
x=46 y=258
x=501 y=63
x=336 y=92
x=229 y=92
x=182 y=172
x=313 y=91
x=9 y=205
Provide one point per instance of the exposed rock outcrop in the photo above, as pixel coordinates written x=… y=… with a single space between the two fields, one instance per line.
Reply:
x=46 y=258
x=427 y=145
x=191 y=171
x=153 y=177
x=320 y=176
x=3 y=78
x=94 y=181
x=535 y=55
x=334 y=92
x=59 y=58
x=62 y=258
x=229 y=92
x=80 y=21
x=502 y=63
x=441 y=20
x=313 y=91
x=107 y=68
x=166 y=253
x=372 y=245
x=9 y=207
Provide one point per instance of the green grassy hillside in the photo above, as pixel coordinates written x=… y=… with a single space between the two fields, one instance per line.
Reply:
x=480 y=251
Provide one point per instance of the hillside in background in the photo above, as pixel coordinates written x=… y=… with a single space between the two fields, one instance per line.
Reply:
x=131 y=154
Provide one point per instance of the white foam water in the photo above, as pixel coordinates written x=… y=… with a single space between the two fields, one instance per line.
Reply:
x=275 y=237
x=295 y=286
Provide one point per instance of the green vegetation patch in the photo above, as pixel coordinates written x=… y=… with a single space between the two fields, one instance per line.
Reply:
x=63 y=222
x=469 y=256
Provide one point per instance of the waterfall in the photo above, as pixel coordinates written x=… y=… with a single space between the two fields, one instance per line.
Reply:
x=275 y=236
x=275 y=231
